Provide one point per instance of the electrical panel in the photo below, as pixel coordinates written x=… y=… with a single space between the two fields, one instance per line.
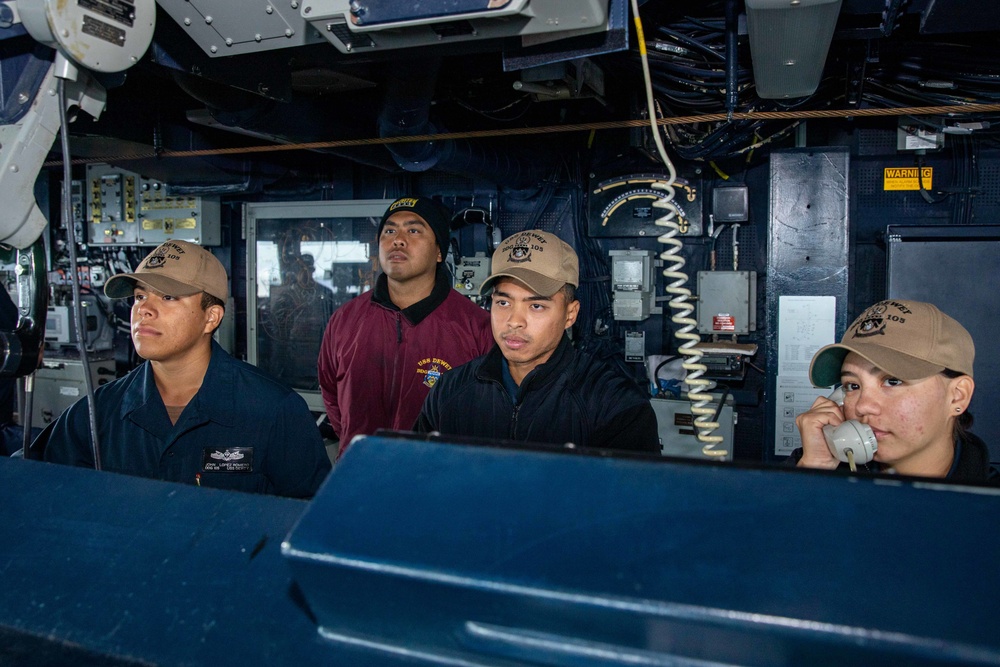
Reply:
x=76 y=209
x=60 y=325
x=910 y=137
x=59 y=383
x=123 y=208
x=727 y=302
x=677 y=432
x=471 y=272
x=635 y=346
x=632 y=284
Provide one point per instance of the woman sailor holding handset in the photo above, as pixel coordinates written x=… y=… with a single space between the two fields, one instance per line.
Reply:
x=905 y=369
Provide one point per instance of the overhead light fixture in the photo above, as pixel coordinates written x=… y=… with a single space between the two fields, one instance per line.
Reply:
x=789 y=42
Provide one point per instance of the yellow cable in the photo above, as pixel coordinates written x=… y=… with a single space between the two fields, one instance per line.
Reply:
x=723 y=175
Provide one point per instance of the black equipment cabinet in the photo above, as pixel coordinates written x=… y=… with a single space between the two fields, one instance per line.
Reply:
x=955 y=267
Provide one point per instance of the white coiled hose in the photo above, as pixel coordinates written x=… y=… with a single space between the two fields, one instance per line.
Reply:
x=674 y=263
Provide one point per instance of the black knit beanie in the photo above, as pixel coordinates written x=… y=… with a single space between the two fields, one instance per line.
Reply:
x=433 y=213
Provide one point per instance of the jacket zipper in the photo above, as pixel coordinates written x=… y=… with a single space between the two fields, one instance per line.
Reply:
x=395 y=385
x=522 y=388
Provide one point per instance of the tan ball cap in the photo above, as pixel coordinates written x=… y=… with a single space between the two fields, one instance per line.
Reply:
x=540 y=260
x=909 y=340
x=177 y=268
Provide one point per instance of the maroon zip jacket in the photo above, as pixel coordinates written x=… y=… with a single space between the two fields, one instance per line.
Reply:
x=377 y=362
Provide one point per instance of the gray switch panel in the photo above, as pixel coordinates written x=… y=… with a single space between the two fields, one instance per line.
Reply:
x=727 y=302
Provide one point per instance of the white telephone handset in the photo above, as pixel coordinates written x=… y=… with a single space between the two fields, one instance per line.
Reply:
x=851 y=442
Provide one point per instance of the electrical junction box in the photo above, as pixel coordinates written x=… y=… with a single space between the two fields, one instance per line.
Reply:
x=630 y=307
x=60 y=325
x=57 y=327
x=470 y=274
x=76 y=207
x=677 y=433
x=727 y=302
x=635 y=346
x=123 y=208
x=59 y=383
x=632 y=284
x=916 y=138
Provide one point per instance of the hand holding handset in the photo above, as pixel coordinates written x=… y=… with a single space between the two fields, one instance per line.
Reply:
x=851 y=442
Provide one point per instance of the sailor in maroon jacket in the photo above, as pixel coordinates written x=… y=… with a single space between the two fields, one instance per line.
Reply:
x=383 y=351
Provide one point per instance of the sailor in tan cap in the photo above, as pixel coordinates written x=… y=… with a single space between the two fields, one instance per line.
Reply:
x=191 y=413
x=534 y=385
x=906 y=369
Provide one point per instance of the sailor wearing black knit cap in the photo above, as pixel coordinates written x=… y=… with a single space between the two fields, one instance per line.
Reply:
x=383 y=351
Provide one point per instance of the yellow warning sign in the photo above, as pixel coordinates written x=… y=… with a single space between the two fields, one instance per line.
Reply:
x=907 y=178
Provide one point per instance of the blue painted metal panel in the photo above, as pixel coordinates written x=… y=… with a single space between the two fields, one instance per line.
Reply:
x=98 y=568
x=492 y=556
x=431 y=553
x=23 y=66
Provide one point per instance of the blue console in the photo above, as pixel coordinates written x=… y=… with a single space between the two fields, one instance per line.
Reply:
x=422 y=552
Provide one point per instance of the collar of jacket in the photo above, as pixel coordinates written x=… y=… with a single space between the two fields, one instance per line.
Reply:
x=972 y=459
x=215 y=404
x=421 y=309
x=540 y=375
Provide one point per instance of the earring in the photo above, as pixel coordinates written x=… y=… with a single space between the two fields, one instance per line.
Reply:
x=958 y=409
